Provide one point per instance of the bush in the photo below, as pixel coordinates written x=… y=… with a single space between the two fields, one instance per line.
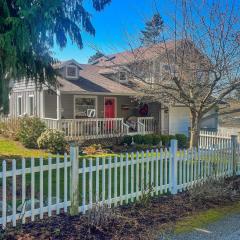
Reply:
x=53 y=140
x=10 y=128
x=127 y=140
x=156 y=139
x=30 y=130
x=166 y=139
x=148 y=139
x=138 y=139
x=182 y=140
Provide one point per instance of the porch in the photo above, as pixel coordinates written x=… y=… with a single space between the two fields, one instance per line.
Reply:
x=95 y=128
x=85 y=116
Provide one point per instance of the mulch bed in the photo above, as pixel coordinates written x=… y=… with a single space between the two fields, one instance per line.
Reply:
x=134 y=221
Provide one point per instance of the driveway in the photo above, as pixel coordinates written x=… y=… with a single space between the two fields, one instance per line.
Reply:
x=225 y=229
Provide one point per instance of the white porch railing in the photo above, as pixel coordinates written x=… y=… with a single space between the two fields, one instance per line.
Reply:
x=146 y=125
x=93 y=128
x=75 y=129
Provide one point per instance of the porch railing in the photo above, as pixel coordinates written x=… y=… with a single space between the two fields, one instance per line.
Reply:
x=91 y=128
x=146 y=124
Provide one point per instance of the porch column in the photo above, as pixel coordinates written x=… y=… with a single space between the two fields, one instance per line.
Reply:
x=162 y=121
x=42 y=103
x=59 y=105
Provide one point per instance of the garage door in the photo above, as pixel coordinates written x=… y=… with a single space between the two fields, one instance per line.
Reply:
x=179 y=120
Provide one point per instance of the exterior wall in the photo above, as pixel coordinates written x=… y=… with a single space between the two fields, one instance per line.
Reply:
x=67 y=104
x=21 y=89
x=50 y=104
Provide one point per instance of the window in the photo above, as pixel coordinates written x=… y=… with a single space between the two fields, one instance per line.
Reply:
x=19 y=105
x=85 y=107
x=71 y=71
x=122 y=76
x=31 y=105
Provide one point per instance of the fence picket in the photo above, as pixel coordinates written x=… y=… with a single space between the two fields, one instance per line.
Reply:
x=4 y=194
x=126 y=181
x=109 y=181
x=24 y=189
x=132 y=176
x=84 y=185
x=115 y=181
x=49 y=186
x=97 y=179
x=32 y=190
x=41 y=188
x=14 y=193
x=65 y=182
x=121 y=179
x=58 y=184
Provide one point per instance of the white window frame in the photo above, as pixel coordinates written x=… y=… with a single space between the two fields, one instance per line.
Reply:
x=123 y=81
x=30 y=96
x=87 y=96
x=73 y=77
x=19 y=97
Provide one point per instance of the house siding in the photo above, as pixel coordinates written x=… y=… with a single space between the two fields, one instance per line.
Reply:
x=50 y=104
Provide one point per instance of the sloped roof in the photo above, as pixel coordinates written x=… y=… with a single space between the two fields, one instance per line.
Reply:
x=137 y=54
x=91 y=81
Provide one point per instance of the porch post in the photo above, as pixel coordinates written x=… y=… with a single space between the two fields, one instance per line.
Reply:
x=58 y=105
x=162 y=121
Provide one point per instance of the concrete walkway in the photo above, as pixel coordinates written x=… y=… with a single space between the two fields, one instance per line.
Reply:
x=225 y=229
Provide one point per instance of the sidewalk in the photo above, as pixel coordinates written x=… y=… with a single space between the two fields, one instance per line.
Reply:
x=225 y=229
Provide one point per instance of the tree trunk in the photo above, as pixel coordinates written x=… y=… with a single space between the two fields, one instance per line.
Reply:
x=195 y=129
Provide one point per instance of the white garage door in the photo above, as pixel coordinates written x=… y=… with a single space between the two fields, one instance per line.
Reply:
x=179 y=120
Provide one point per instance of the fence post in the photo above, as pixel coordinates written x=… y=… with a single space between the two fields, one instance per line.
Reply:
x=74 y=179
x=174 y=170
x=234 y=153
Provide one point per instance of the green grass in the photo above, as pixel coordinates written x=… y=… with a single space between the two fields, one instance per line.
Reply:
x=10 y=149
x=201 y=219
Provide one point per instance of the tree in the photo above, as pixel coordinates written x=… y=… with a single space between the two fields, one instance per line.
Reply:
x=95 y=56
x=200 y=67
x=152 y=30
x=28 y=31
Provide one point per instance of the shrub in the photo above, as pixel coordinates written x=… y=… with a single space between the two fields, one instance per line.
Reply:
x=53 y=140
x=127 y=140
x=10 y=128
x=148 y=139
x=182 y=140
x=156 y=139
x=30 y=130
x=138 y=139
x=166 y=139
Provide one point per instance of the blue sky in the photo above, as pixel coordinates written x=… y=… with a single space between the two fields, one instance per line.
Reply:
x=112 y=24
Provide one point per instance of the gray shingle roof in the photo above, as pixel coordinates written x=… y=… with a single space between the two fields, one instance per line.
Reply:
x=91 y=81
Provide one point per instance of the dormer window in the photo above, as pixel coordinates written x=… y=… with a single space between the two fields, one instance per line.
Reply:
x=71 y=71
x=122 y=76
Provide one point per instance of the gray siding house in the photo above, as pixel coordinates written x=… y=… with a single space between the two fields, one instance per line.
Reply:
x=97 y=101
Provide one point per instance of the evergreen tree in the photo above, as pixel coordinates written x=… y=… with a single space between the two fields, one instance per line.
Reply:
x=95 y=57
x=152 y=30
x=29 y=29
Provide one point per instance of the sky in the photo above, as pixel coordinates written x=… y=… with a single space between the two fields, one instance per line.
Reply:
x=120 y=20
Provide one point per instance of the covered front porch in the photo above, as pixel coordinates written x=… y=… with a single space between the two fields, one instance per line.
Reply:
x=84 y=116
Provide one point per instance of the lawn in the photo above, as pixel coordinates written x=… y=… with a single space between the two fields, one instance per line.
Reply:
x=10 y=149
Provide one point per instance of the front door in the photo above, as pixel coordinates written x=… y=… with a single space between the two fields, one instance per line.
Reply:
x=109 y=107
x=109 y=112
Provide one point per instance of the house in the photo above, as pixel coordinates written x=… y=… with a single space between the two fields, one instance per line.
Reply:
x=98 y=101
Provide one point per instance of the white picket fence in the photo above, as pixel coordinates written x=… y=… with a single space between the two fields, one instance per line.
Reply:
x=43 y=187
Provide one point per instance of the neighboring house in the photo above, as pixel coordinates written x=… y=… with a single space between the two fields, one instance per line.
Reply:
x=97 y=101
